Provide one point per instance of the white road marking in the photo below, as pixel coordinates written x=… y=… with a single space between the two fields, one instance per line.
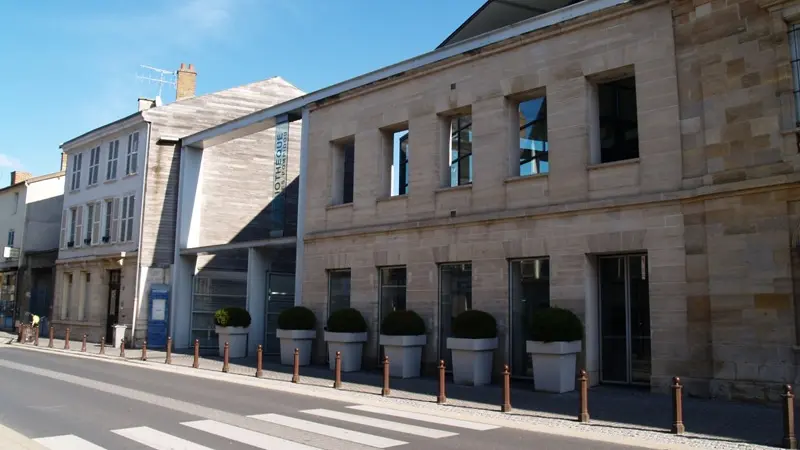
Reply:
x=380 y=423
x=245 y=436
x=458 y=423
x=158 y=440
x=330 y=431
x=67 y=442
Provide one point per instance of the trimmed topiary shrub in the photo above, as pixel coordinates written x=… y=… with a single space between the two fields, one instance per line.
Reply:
x=348 y=320
x=474 y=324
x=232 y=317
x=403 y=323
x=555 y=325
x=297 y=318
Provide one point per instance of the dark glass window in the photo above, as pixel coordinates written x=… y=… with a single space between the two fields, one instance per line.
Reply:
x=533 y=156
x=349 y=166
x=619 y=132
x=461 y=150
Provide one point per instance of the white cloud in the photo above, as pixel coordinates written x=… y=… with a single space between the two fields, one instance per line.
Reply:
x=7 y=162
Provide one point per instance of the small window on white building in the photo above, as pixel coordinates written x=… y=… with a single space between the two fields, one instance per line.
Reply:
x=16 y=202
x=73 y=222
x=132 y=161
x=85 y=293
x=126 y=225
x=88 y=220
x=113 y=157
x=77 y=162
x=108 y=220
x=66 y=295
x=11 y=237
x=94 y=165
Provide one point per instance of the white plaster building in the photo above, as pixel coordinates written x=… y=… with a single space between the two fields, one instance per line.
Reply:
x=29 y=219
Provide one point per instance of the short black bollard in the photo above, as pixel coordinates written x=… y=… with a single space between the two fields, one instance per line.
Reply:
x=337 y=380
x=506 y=406
x=122 y=348
x=677 y=407
x=583 y=380
x=144 y=350
x=50 y=344
x=259 y=361
x=66 y=340
x=168 y=359
x=441 y=398
x=226 y=357
x=103 y=345
x=83 y=343
x=196 y=362
x=385 y=391
x=296 y=366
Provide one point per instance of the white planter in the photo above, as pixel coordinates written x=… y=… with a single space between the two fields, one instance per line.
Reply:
x=236 y=337
x=119 y=334
x=350 y=344
x=472 y=360
x=296 y=339
x=405 y=354
x=553 y=365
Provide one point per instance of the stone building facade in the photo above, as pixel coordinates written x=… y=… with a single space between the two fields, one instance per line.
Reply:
x=670 y=227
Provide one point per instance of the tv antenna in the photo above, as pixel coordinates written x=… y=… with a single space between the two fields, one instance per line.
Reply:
x=159 y=76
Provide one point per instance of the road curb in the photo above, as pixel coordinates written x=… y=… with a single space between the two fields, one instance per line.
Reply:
x=583 y=431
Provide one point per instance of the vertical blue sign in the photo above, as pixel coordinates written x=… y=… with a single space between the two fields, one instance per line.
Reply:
x=158 y=317
x=280 y=177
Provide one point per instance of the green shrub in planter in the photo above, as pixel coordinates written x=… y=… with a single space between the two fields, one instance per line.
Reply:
x=403 y=323
x=555 y=325
x=474 y=324
x=347 y=320
x=297 y=318
x=232 y=317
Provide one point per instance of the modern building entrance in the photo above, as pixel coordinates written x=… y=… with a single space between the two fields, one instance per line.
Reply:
x=455 y=297
x=529 y=290
x=280 y=296
x=624 y=319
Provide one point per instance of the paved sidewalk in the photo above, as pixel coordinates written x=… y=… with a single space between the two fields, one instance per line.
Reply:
x=709 y=423
x=15 y=441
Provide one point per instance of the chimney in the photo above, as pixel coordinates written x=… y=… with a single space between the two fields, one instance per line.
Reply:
x=19 y=177
x=187 y=82
x=64 y=159
x=146 y=103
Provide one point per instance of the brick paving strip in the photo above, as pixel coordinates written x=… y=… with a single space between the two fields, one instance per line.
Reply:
x=617 y=415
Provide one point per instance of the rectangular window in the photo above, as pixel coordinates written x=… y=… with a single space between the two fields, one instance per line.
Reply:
x=126 y=225
x=530 y=290
x=11 y=238
x=455 y=297
x=794 y=48
x=66 y=295
x=618 y=126
x=533 y=156
x=343 y=173
x=132 y=159
x=16 y=202
x=73 y=222
x=94 y=165
x=107 y=220
x=338 y=290
x=461 y=150
x=113 y=157
x=89 y=219
x=400 y=163
x=85 y=293
x=393 y=290
x=77 y=162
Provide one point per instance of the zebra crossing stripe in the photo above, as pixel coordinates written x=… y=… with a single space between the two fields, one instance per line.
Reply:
x=67 y=442
x=245 y=436
x=158 y=440
x=380 y=423
x=327 y=430
x=446 y=421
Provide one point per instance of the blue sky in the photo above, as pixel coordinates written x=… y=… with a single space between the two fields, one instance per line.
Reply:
x=70 y=66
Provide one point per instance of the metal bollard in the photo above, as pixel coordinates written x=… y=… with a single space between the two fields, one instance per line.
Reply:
x=66 y=340
x=789 y=439
x=196 y=362
x=50 y=345
x=103 y=345
x=296 y=366
x=386 y=391
x=225 y=357
x=583 y=380
x=144 y=350
x=506 y=406
x=36 y=336
x=337 y=380
x=259 y=361
x=168 y=359
x=677 y=407
x=441 y=398
x=83 y=343
x=122 y=348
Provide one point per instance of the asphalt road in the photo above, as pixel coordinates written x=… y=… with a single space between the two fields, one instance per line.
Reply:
x=70 y=403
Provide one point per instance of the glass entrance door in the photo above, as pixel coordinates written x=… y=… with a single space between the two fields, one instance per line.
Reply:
x=455 y=297
x=624 y=319
x=530 y=290
x=280 y=296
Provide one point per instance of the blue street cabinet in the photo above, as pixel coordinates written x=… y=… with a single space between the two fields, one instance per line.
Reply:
x=158 y=316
